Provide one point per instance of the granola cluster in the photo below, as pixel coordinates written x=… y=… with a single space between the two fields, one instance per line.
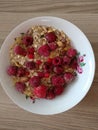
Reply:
x=42 y=62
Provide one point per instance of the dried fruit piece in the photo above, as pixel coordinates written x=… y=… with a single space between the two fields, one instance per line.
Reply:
x=35 y=81
x=21 y=72
x=71 y=52
x=12 y=70
x=50 y=94
x=57 y=80
x=40 y=91
x=57 y=61
x=68 y=77
x=52 y=46
x=27 y=40
x=20 y=86
x=51 y=37
x=19 y=50
x=30 y=65
x=58 y=69
x=58 y=90
x=66 y=60
x=44 y=50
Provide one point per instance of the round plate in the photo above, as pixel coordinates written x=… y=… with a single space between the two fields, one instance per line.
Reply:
x=74 y=92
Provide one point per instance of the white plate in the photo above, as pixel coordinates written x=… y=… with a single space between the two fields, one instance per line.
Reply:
x=74 y=92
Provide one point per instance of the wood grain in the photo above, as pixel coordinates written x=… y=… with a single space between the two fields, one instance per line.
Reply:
x=83 y=13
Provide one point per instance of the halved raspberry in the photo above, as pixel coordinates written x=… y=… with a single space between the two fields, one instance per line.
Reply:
x=68 y=77
x=66 y=60
x=50 y=94
x=51 y=37
x=35 y=81
x=19 y=50
x=30 y=65
x=40 y=91
x=58 y=80
x=20 y=86
x=58 y=70
x=41 y=74
x=52 y=46
x=44 y=50
x=58 y=90
x=21 y=72
x=12 y=70
x=71 y=52
x=27 y=40
x=57 y=61
x=47 y=67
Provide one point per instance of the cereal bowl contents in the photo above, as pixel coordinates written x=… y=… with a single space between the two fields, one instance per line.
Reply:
x=49 y=61
x=42 y=62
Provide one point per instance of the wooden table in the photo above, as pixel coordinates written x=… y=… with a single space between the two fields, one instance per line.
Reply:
x=83 y=13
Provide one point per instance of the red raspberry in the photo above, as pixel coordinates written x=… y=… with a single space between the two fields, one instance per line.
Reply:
x=58 y=90
x=38 y=62
x=19 y=50
x=50 y=94
x=71 y=53
x=66 y=60
x=12 y=70
x=49 y=60
x=27 y=40
x=57 y=61
x=30 y=65
x=52 y=46
x=44 y=50
x=68 y=77
x=35 y=81
x=47 y=67
x=40 y=91
x=41 y=74
x=20 y=86
x=58 y=69
x=30 y=53
x=21 y=72
x=51 y=37
x=58 y=80
x=74 y=64
x=46 y=75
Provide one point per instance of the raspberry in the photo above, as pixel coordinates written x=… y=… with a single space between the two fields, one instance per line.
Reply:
x=47 y=67
x=58 y=69
x=41 y=74
x=66 y=60
x=12 y=70
x=51 y=37
x=27 y=40
x=58 y=90
x=21 y=72
x=34 y=81
x=46 y=75
x=30 y=53
x=30 y=65
x=49 y=60
x=44 y=50
x=74 y=64
x=68 y=77
x=58 y=80
x=19 y=50
x=71 y=53
x=38 y=62
x=50 y=94
x=40 y=91
x=57 y=61
x=20 y=86
x=52 y=46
